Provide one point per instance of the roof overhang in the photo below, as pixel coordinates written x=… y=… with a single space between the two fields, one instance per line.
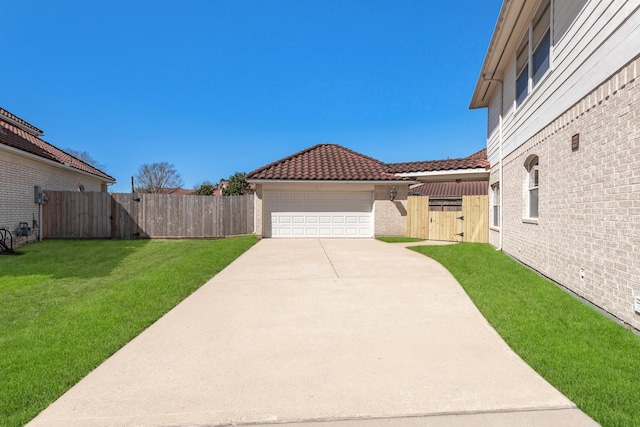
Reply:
x=512 y=20
x=309 y=181
x=56 y=164
x=477 y=174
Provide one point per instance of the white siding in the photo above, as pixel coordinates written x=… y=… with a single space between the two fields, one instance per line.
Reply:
x=493 y=137
x=596 y=41
x=564 y=17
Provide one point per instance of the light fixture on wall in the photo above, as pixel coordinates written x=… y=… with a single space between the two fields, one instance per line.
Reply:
x=394 y=193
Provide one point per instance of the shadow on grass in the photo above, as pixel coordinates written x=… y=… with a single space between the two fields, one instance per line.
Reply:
x=12 y=253
x=61 y=259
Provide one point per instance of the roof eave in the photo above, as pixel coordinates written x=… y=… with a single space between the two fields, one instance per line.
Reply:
x=475 y=174
x=56 y=163
x=444 y=172
x=514 y=14
x=323 y=181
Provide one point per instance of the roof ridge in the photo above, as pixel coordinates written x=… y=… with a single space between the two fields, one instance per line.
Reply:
x=309 y=149
x=326 y=161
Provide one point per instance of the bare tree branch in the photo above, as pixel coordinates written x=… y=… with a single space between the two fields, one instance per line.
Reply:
x=85 y=157
x=156 y=177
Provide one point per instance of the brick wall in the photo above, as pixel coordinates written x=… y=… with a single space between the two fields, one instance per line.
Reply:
x=18 y=176
x=390 y=217
x=259 y=219
x=589 y=199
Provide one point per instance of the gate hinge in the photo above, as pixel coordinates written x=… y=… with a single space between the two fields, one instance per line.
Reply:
x=461 y=217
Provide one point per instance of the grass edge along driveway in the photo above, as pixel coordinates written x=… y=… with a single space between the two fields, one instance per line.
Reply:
x=67 y=305
x=591 y=359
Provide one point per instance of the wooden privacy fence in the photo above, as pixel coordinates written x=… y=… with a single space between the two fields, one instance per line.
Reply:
x=76 y=215
x=69 y=215
x=188 y=216
x=467 y=221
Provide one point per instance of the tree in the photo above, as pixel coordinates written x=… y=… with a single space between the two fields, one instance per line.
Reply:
x=153 y=178
x=205 y=189
x=85 y=157
x=237 y=185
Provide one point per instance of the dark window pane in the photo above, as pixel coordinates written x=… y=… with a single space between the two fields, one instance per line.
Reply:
x=522 y=86
x=541 y=58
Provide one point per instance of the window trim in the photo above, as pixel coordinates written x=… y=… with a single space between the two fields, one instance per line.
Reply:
x=495 y=203
x=532 y=167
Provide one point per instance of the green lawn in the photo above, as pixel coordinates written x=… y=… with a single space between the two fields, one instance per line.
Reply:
x=68 y=305
x=399 y=239
x=591 y=359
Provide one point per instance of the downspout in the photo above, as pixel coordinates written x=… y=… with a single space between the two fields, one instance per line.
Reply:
x=499 y=248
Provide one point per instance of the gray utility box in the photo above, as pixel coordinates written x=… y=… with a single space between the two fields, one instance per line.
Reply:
x=38 y=196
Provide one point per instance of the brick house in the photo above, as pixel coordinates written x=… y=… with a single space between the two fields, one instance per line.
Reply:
x=330 y=191
x=27 y=161
x=560 y=81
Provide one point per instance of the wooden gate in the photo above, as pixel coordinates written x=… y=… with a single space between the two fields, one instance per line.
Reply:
x=445 y=225
x=455 y=221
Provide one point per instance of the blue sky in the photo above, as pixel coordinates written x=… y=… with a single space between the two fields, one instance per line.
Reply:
x=217 y=87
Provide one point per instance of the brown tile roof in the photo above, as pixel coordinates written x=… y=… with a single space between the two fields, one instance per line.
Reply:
x=326 y=162
x=21 y=123
x=16 y=136
x=452 y=189
x=474 y=161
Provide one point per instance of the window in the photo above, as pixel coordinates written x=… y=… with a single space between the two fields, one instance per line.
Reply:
x=522 y=67
x=533 y=178
x=533 y=54
x=495 y=192
x=541 y=42
x=81 y=188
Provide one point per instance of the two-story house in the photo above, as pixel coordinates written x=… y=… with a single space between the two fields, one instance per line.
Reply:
x=560 y=80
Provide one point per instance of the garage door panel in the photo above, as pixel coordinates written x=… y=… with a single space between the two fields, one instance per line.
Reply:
x=298 y=219
x=319 y=214
x=324 y=219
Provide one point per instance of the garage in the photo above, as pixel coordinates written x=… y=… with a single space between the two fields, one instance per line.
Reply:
x=328 y=191
x=291 y=214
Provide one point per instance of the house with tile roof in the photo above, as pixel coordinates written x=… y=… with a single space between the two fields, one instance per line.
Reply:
x=448 y=178
x=330 y=191
x=26 y=162
x=560 y=80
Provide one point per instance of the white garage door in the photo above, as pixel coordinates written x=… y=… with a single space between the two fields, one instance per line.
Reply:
x=319 y=214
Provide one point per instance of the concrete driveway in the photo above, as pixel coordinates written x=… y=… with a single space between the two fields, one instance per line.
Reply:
x=318 y=332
